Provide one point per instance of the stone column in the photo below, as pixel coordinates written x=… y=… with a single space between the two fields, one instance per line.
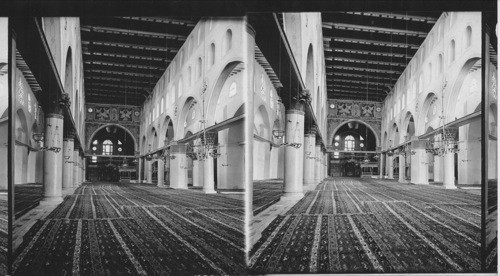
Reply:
x=402 y=166
x=161 y=173
x=390 y=167
x=438 y=164
x=208 y=173
x=68 y=148
x=197 y=173
x=381 y=165
x=139 y=178
x=178 y=166
x=419 y=166
x=294 y=156
x=317 y=163
x=449 y=159
x=52 y=161
x=76 y=162
x=149 y=176
x=309 y=155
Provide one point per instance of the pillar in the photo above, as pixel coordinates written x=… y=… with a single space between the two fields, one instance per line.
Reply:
x=390 y=167
x=294 y=156
x=139 y=176
x=149 y=176
x=68 y=148
x=161 y=173
x=317 y=163
x=178 y=166
x=208 y=174
x=402 y=166
x=76 y=161
x=419 y=165
x=449 y=159
x=197 y=173
x=438 y=164
x=309 y=161
x=381 y=158
x=52 y=161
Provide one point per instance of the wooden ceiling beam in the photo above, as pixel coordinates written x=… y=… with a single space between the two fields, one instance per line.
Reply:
x=366 y=61
x=381 y=84
x=122 y=73
x=372 y=29
x=360 y=76
x=123 y=65
x=371 y=42
x=363 y=52
x=111 y=30
x=124 y=88
x=183 y=22
x=381 y=71
x=91 y=78
x=115 y=55
x=407 y=17
x=130 y=46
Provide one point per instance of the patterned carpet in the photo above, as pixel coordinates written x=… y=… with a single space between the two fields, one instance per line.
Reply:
x=266 y=193
x=3 y=233
x=26 y=197
x=362 y=225
x=128 y=229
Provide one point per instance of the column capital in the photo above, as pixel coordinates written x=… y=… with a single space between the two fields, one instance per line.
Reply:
x=311 y=131
x=68 y=133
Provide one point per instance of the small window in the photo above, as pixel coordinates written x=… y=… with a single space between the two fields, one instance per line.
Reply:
x=94 y=159
x=95 y=142
x=232 y=89
x=349 y=143
x=120 y=142
x=337 y=138
x=468 y=36
x=107 y=147
x=336 y=155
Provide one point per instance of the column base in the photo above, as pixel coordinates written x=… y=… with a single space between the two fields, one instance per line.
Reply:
x=310 y=187
x=292 y=196
x=49 y=201
x=68 y=191
x=161 y=186
x=210 y=191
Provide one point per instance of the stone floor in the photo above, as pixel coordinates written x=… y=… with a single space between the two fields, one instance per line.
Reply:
x=353 y=225
x=132 y=229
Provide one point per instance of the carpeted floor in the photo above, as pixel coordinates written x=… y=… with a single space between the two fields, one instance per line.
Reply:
x=129 y=229
x=353 y=225
x=3 y=233
x=26 y=197
x=266 y=193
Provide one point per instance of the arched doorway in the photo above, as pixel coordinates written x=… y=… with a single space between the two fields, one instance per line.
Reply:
x=354 y=144
x=112 y=148
x=168 y=129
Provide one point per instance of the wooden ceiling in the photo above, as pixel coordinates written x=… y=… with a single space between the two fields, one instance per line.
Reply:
x=366 y=52
x=124 y=57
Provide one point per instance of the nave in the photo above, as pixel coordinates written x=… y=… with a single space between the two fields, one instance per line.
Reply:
x=356 y=225
x=133 y=229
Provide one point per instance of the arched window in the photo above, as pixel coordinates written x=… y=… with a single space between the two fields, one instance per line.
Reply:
x=107 y=147
x=162 y=106
x=468 y=36
x=180 y=88
x=157 y=110
x=452 y=50
x=440 y=64
x=228 y=40
x=198 y=68
x=349 y=142
x=420 y=83
x=212 y=54
x=429 y=79
x=189 y=76
x=232 y=89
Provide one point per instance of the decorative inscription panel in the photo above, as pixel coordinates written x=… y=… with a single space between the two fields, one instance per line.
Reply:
x=354 y=109
x=113 y=113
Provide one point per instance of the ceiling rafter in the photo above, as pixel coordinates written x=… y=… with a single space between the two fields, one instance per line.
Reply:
x=123 y=65
x=363 y=52
x=371 y=42
x=183 y=22
x=430 y=20
x=116 y=72
x=137 y=57
x=130 y=32
x=372 y=29
x=130 y=46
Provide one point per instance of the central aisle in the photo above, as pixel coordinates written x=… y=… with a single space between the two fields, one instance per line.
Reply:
x=364 y=225
x=131 y=229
